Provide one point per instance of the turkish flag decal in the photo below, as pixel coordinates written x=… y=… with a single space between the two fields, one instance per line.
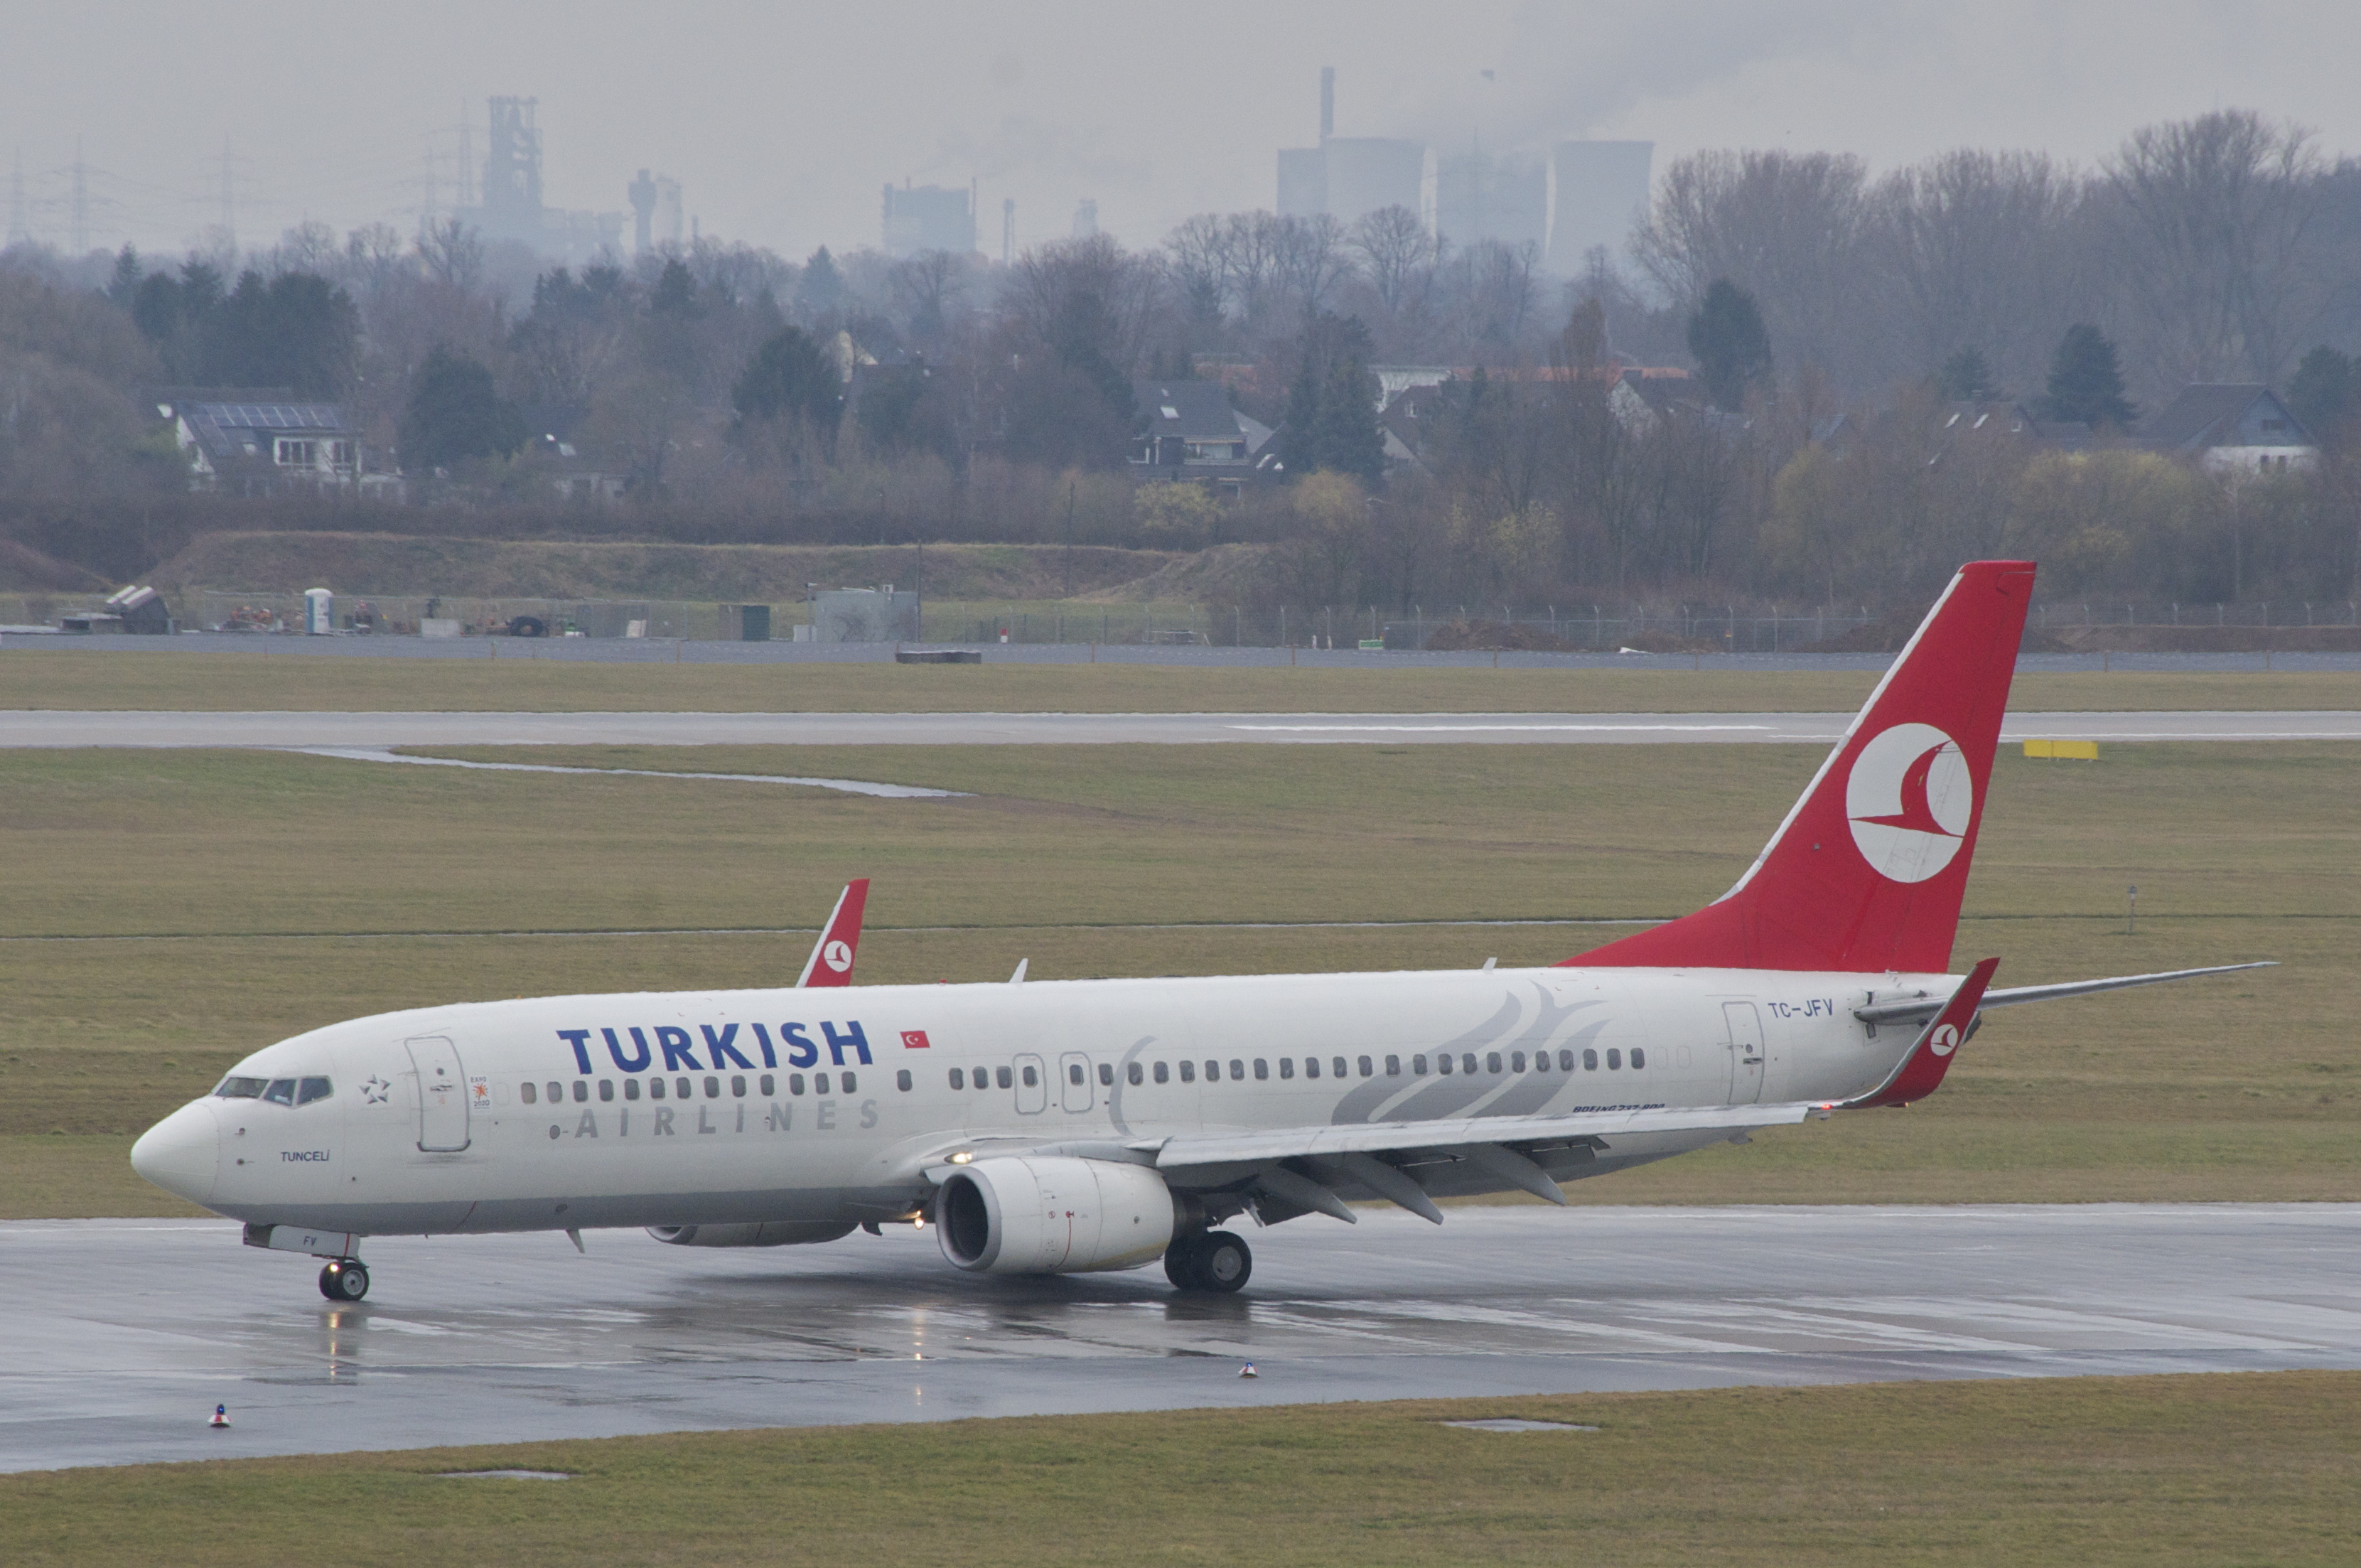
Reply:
x=914 y=1039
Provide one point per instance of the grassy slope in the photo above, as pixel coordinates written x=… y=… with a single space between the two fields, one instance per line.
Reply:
x=506 y=676
x=2146 y=1473
x=286 y=892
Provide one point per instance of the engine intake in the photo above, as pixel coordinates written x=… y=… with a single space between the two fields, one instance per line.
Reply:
x=1052 y=1214
x=767 y=1233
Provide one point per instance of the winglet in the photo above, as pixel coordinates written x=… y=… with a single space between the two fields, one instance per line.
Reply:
x=1921 y=1071
x=831 y=956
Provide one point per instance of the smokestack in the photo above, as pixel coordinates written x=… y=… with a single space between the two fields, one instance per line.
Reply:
x=1328 y=102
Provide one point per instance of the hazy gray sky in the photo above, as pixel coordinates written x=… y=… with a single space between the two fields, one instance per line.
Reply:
x=784 y=120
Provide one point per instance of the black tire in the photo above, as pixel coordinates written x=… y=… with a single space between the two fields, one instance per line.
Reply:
x=1182 y=1264
x=1223 y=1262
x=345 y=1282
x=528 y=626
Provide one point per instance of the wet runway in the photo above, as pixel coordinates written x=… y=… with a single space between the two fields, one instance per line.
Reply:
x=124 y=1334
x=366 y=730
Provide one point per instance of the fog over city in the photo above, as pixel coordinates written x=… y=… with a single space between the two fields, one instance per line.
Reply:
x=781 y=124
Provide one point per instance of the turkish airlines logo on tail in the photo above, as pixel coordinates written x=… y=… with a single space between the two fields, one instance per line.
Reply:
x=1910 y=798
x=836 y=956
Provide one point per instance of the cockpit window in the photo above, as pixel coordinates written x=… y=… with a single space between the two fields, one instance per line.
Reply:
x=242 y=1087
x=311 y=1089
x=281 y=1092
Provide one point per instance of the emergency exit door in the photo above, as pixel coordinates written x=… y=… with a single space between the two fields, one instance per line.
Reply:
x=1074 y=1090
x=442 y=1095
x=1744 y=1025
x=1032 y=1086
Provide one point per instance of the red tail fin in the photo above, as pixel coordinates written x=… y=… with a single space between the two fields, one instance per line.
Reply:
x=1867 y=872
x=831 y=956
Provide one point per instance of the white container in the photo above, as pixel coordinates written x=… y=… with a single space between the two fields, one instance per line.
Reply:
x=434 y=628
x=319 y=612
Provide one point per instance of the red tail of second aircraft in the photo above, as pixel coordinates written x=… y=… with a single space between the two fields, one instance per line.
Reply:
x=1866 y=873
x=831 y=956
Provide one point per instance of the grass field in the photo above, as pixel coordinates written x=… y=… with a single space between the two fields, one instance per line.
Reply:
x=509 y=676
x=168 y=912
x=2146 y=1473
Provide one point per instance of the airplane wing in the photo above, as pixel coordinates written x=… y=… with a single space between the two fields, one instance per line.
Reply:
x=1923 y=1006
x=831 y=956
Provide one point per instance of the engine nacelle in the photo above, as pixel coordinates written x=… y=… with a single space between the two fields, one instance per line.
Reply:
x=768 y=1233
x=1052 y=1214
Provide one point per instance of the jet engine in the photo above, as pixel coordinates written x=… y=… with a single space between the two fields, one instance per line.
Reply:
x=1052 y=1214
x=769 y=1232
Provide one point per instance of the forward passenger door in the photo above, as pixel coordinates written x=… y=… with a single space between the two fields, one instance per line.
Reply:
x=442 y=1095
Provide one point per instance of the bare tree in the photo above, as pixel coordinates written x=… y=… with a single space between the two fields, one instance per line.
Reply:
x=2214 y=214
x=1394 y=248
x=1197 y=268
x=452 y=252
x=1310 y=258
x=927 y=286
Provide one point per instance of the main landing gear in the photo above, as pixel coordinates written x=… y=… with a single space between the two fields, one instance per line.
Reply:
x=344 y=1280
x=1208 y=1260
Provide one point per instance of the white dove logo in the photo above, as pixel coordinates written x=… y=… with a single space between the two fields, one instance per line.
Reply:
x=838 y=955
x=1910 y=798
x=1946 y=1040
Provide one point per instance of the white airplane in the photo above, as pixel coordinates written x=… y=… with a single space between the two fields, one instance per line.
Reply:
x=1066 y=1126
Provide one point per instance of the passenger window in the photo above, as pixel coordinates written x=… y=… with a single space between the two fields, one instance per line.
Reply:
x=819 y=1083
x=1590 y=1061
x=1491 y=1062
x=1369 y=1068
x=1516 y=1061
x=1073 y=1072
x=1540 y=1062
x=1337 y=1065
x=959 y=1078
x=1287 y=1067
x=1565 y=1061
x=581 y=1090
x=1031 y=1078
x=767 y=1084
x=1237 y=1070
x=844 y=1082
x=1614 y=1060
x=1393 y=1066
x=1443 y=1063
x=1002 y=1074
x=1467 y=1062
x=1106 y=1076
x=1213 y=1072
x=902 y=1081
x=656 y=1089
x=311 y=1088
x=1638 y=1057
x=737 y=1086
x=557 y=1093
x=1164 y=1073
x=632 y=1088
x=794 y=1083
x=527 y=1093
x=1311 y=1066
x=713 y=1089
x=1131 y=1073
x=1262 y=1070
x=1418 y=1066
x=1188 y=1072
x=605 y=1089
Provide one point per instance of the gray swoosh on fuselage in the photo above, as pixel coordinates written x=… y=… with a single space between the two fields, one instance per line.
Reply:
x=1444 y=1096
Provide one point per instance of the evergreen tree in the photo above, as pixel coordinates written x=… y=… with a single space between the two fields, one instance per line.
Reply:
x=1727 y=338
x=1345 y=438
x=2325 y=392
x=675 y=292
x=2086 y=383
x=298 y=330
x=789 y=378
x=124 y=285
x=456 y=414
x=1966 y=377
x=822 y=287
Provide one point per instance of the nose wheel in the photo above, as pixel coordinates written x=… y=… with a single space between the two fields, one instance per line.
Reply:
x=344 y=1280
x=1212 y=1261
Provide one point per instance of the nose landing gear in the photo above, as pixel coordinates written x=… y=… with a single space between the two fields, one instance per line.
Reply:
x=1212 y=1261
x=344 y=1280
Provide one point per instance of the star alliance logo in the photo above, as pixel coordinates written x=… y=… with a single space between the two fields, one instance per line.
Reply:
x=377 y=1091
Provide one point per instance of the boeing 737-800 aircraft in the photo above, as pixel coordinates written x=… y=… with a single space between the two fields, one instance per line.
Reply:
x=1064 y=1126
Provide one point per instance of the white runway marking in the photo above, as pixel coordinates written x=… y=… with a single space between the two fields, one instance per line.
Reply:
x=844 y=786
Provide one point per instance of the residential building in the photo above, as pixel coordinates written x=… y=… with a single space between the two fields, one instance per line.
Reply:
x=255 y=439
x=1187 y=430
x=2231 y=427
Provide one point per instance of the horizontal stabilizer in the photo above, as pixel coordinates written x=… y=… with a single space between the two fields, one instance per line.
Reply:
x=1915 y=1009
x=1920 y=1071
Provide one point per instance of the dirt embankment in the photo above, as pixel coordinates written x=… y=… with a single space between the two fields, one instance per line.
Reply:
x=386 y=564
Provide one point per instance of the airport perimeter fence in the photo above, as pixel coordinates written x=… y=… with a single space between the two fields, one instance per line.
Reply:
x=1651 y=628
